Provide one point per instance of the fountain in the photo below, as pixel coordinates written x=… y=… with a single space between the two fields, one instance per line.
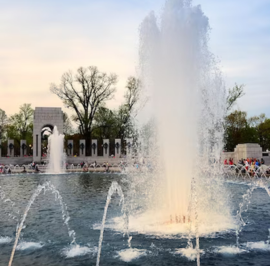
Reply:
x=187 y=102
x=56 y=153
x=184 y=208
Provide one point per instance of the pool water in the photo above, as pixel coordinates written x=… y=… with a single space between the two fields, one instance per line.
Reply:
x=45 y=239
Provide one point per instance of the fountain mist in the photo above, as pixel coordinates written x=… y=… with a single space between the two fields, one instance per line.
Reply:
x=55 y=152
x=187 y=101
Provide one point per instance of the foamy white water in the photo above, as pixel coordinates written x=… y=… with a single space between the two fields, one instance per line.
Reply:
x=189 y=253
x=230 y=250
x=130 y=254
x=77 y=250
x=29 y=245
x=150 y=223
x=5 y=240
x=261 y=245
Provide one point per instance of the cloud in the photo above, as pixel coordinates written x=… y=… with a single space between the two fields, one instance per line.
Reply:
x=40 y=40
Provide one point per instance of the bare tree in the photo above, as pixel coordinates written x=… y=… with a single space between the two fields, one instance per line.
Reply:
x=235 y=93
x=133 y=93
x=84 y=92
x=68 y=129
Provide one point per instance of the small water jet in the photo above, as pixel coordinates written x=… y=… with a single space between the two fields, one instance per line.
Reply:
x=243 y=207
x=46 y=187
x=115 y=188
x=56 y=153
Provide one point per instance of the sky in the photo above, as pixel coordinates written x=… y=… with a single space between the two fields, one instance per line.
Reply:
x=40 y=40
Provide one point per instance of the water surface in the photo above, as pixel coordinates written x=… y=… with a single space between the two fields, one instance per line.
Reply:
x=45 y=239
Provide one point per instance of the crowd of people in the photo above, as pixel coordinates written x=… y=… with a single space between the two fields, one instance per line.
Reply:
x=249 y=165
x=85 y=166
x=247 y=162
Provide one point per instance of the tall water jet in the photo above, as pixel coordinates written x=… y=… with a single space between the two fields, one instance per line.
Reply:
x=55 y=152
x=187 y=101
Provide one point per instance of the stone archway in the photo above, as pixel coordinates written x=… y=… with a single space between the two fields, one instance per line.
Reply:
x=44 y=116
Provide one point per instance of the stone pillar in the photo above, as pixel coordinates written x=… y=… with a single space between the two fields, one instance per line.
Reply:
x=70 y=147
x=0 y=148
x=129 y=146
x=247 y=150
x=117 y=148
x=23 y=148
x=106 y=148
x=94 y=148
x=36 y=147
x=10 y=148
x=82 y=147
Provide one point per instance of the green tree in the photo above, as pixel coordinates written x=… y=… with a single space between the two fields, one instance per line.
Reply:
x=238 y=130
x=105 y=124
x=22 y=123
x=127 y=111
x=84 y=93
x=262 y=125
x=20 y=126
x=264 y=134
x=3 y=123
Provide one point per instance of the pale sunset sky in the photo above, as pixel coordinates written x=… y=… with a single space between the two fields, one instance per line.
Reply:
x=40 y=40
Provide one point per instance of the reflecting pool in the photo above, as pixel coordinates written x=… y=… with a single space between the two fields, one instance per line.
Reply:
x=46 y=238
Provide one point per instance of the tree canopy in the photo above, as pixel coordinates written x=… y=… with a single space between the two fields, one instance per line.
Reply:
x=119 y=123
x=127 y=111
x=21 y=124
x=239 y=129
x=3 y=123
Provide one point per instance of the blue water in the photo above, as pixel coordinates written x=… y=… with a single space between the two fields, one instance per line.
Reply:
x=45 y=238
